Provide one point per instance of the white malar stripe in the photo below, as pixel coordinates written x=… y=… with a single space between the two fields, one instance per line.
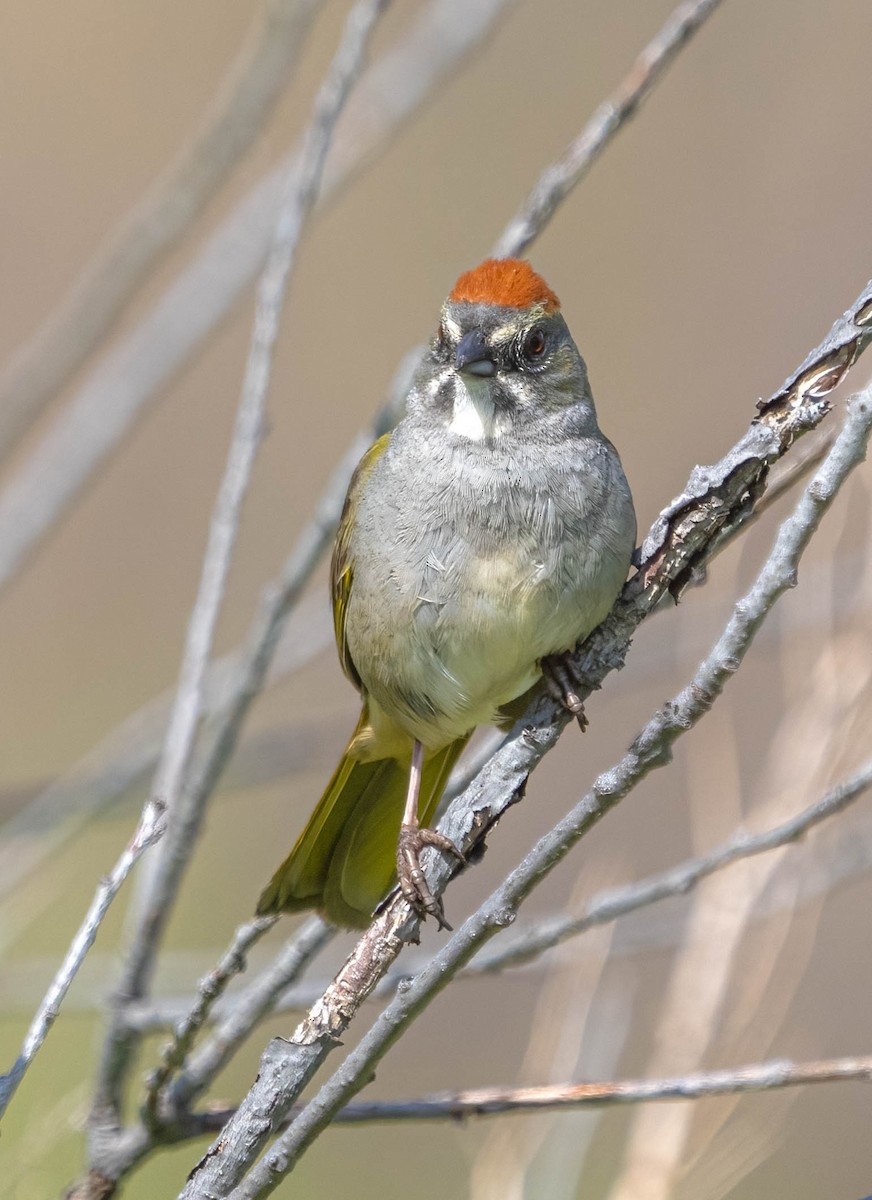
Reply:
x=474 y=415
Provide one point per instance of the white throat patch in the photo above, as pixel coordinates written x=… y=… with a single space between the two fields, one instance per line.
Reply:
x=474 y=414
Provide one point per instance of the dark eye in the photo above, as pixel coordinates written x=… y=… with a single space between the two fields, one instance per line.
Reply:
x=534 y=344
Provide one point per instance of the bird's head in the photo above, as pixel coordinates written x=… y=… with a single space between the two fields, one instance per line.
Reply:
x=502 y=358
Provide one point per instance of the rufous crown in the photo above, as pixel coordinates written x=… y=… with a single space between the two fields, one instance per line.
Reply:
x=506 y=282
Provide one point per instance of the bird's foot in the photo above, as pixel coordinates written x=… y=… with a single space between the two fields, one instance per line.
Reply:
x=413 y=885
x=562 y=682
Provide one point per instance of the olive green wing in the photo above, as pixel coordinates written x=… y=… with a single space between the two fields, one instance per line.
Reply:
x=342 y=565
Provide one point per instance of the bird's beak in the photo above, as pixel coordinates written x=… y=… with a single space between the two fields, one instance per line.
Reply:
x=474 y=356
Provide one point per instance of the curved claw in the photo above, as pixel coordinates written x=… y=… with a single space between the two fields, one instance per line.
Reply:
x=559 y=673
x=413 y=883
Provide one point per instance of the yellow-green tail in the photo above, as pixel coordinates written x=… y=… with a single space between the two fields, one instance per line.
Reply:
x=344 y=862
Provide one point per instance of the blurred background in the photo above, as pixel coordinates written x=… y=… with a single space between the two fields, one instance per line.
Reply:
x=709 y=250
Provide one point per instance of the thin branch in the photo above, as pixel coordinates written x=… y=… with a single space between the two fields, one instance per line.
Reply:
x=148 y=831
x=174 y=1054
x=85 y=316
x=495 y=1101
x=185 y=818
x=467 y=1103
x=250 y=1007
x=285 y=1067
x=103 y=410
x=558 y=180
x=617 y=902
x=486 y=1102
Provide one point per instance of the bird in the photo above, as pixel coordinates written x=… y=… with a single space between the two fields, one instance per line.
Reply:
x=480 y=541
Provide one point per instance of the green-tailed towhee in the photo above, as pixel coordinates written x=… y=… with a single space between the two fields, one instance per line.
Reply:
x=491 y=530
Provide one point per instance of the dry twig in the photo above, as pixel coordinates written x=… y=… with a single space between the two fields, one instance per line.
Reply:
x=485 y=1102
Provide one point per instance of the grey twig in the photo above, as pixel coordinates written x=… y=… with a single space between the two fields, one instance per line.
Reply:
x=558 y=180
x=102 y=411
x=485 y=1102
x=496 y=1101
x=285 y=1067
x=148 y=831
x=42 y=365
x=251 y=1006
x=617 y=902
x=173 y=1056
x=185 y=817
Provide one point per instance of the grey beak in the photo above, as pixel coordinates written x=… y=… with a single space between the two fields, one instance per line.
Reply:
x=473 y=356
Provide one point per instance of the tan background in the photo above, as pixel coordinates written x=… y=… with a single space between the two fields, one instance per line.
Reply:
x=712 y=246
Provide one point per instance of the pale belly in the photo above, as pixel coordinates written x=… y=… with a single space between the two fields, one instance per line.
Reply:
x=469 y=637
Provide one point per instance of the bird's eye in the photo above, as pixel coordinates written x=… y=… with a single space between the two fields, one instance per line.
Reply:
x=441 y=339
x=534 y=344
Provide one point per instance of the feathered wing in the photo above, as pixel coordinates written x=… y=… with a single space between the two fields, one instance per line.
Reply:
x=342 y=564
x=344 y=861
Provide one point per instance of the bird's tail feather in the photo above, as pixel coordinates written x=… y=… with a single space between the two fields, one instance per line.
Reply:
x=344 y=862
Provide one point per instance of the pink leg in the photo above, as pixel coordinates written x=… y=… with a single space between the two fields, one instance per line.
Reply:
x=412 y=841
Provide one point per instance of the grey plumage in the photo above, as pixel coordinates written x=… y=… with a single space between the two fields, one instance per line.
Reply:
x=496 y=528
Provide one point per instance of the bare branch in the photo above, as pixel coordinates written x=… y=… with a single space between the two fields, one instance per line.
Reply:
x=211 y=987
x=485 y=1102
x=677 y=881
x=255 y=1002
x=150 y=826
x=496 y=1101
x=87 y=314
x=102 y=412
x=558 y=180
